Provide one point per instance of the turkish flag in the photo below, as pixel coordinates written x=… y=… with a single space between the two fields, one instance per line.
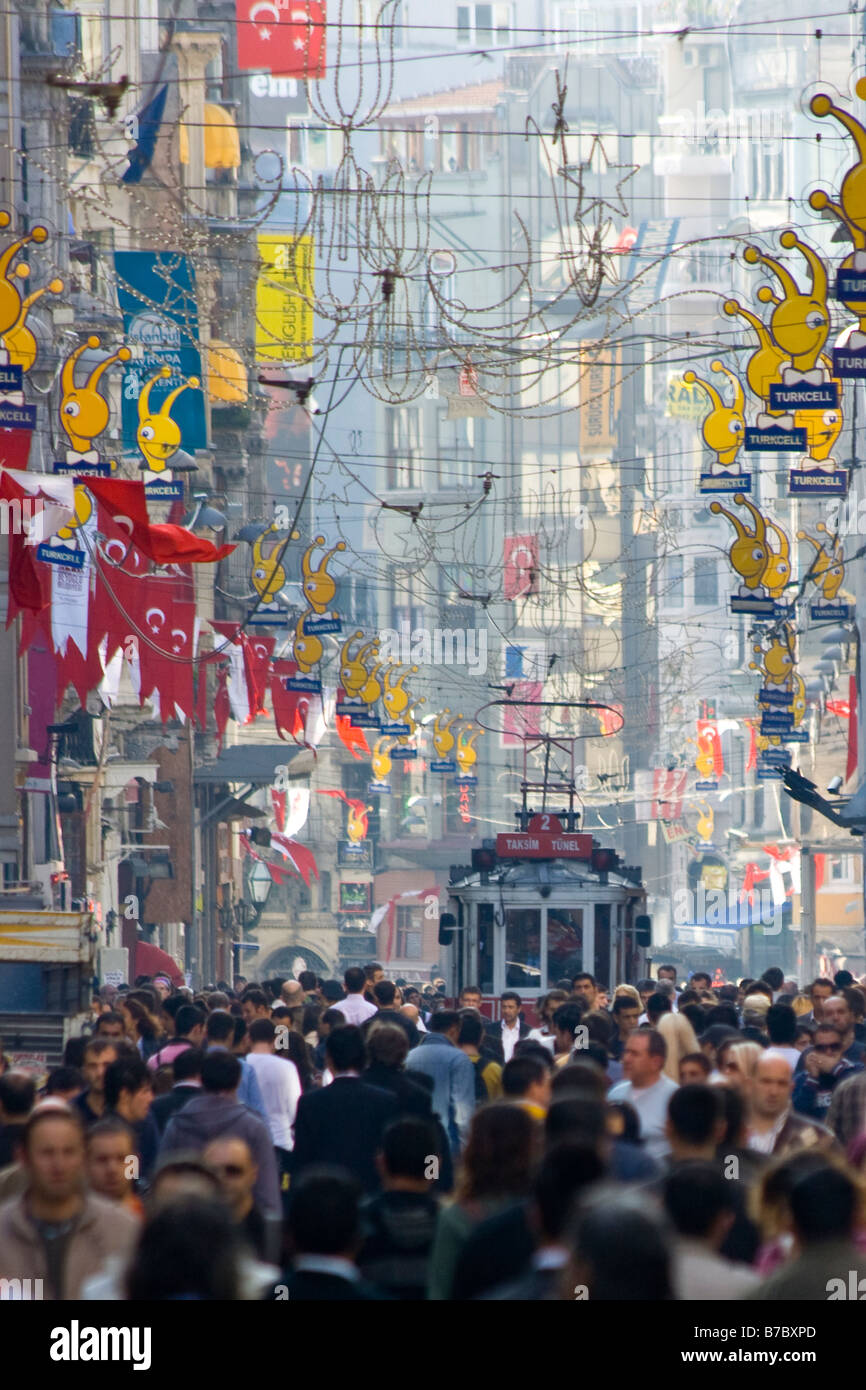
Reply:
x=166 y=665
x=126 y=502
x=288 y=718
x=284 y=37
x=353 y=737
x=521 y=566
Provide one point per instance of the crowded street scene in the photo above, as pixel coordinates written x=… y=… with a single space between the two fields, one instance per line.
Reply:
x=433 y=753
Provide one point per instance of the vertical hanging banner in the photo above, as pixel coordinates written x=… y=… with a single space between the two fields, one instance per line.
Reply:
x=284 y=299
x=283 y=37
x=521 y=566
x=157 y=297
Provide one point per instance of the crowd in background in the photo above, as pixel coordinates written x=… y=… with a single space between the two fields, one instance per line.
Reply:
x=323 y=1140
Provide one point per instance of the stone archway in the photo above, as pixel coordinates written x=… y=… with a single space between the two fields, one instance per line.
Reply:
x=289 y=961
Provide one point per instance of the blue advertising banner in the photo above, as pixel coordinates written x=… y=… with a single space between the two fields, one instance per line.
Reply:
x=157 y=297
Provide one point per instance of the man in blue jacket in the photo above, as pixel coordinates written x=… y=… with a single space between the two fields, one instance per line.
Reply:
x=452 y=1073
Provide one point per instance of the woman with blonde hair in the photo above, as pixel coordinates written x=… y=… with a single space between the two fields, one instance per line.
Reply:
x=738 y=1062
x=630 y=992
x=679 y=1035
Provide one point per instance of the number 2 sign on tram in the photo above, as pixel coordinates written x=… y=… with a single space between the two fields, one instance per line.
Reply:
x=544 y=838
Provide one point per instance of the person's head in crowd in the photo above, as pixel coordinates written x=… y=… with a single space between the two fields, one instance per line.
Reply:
x=355 y=980
x=771 y=1091
x=623 y=1122
x=700 y=1202
x=373 y=973
x=139 y=1013
x=99 y=1055
x=839 y=1013
x=527 y=1078
x=509 y=1007
x=230 y=1158
x=110 y=1025
x=695 y=1121
x=309 y=981
x=344 y=1051
x=331 y=991
x=627 y=990
x=735 y=1116
x=695 y=1069
x=626 y=1013
x=412 y=1012
x=52 y=1156
x=856 y=1000
x=263 y=1035
x=186 y=1067
x=644 y=1057
x=770 y=1201
x=471 y=1031
x=585 y=987
x=656 y=1005
x=190 y=1024
x=825 y=1206
x=645 y=988
x=189 y=1250
x=600 y=1028
x=826 y=1050
x=713 y=1037
x=738 y=1061
x=667 y=988
x=129 y=1089
x=774 y=977
x=620 y=1250
x=384 y=993
x=470 y=997
x=217 y=1000
x=566 y=1020
x=330 y=1019
x=722 y=1015
x=220 y=1029
x=669 y=973
x=679 y=1035
x=580 y=1075
x=577 y=1115
x=446 y=1022
x=254 y=1004
x=162 y=985
x=292 y=993
x=548 y=1004
x=781 y=1024
x=696 y=1015
x=404 y=1160
x=688 y=996
x=179 y=1175
x=755 y=1009
x=499 y=1153
x=759 y=987
x=819 y=991
x=323 y=1216
x=17 y=1096
x=387 y=1046
x=727 y=994
x=803 y=1035
x=111 y=1164
x=73 y=1052
x=220 y=1072
x=64 y=1082
x=843 y=979
x=568 y=1169
x=700 y=980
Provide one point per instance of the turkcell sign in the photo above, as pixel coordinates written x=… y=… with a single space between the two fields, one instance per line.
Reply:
x=313 y=625
x=17 y=417
x=811 y=482
x=544 y=846
x=776 y=757
x=758 y=607
x=309 y=685
x=404 y=755
x=85 y=470
x=267 y=617
x=783 y=698
x=773 y=440
x=11 y=377
x=830 y=612
x=804 y=397
x=61 y=555
x=443 y=765
x=361 y=715
x=849 y=363
x=164 y=492
x=726 y=482
x=797 y=736
x=769 y=774
x=851 y=287
x=776 y=722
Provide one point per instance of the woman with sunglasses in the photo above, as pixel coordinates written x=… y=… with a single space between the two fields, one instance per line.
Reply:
x=824 y=1066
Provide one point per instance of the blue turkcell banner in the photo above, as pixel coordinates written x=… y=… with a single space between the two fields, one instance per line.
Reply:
x=157 y=297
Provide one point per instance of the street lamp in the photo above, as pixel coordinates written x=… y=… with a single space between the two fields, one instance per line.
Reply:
x=259 y=884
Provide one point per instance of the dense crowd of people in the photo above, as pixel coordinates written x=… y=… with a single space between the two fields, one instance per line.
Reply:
x=316 y=1140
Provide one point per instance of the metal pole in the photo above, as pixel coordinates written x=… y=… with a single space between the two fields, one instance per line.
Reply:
x=807 y=912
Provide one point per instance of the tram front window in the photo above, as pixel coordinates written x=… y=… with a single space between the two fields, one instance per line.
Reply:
x=523 y=947
x=564 y=944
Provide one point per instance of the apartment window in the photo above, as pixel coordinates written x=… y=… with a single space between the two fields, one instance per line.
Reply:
x=404 y=465
x=325 y=891
x=410 y=933
x=842 y=869
x=311 y=147
x=486 y=25
x=706 y=581
x=674 y=589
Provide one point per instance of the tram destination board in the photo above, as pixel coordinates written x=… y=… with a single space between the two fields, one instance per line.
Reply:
x=543 y=839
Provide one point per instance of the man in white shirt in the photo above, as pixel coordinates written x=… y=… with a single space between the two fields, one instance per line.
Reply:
x=355 y=1007
x=280 y=1086
x=511 y=1029
x=646 y=1088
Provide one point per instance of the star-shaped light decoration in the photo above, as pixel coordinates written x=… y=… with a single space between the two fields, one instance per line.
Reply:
x=265 y=34
x=578 y=176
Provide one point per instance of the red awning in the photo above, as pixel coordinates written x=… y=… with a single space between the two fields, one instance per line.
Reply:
x=150 y=960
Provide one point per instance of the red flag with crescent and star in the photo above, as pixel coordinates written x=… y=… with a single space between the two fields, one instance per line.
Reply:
x=283 y=37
